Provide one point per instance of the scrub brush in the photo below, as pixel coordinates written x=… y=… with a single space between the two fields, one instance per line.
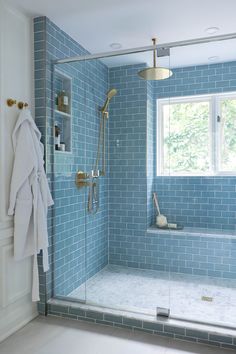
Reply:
x=161 y=220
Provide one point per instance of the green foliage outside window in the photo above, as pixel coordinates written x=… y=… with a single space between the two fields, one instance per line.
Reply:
x=186 y=137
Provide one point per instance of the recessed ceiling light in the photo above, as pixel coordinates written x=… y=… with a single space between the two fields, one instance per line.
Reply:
x=212 y=30
x=115 y=45
x=214 y=58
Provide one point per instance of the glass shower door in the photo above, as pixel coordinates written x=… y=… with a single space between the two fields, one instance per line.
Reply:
x=103 y=255
x=68 y=154
x=202 y=152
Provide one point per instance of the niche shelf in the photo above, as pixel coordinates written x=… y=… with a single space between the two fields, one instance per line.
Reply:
x=62 y=114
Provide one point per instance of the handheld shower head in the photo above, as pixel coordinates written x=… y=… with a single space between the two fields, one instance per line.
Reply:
x=102 y=132
x=110 y=94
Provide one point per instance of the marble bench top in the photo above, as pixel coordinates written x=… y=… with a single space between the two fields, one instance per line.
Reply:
x=191 y=231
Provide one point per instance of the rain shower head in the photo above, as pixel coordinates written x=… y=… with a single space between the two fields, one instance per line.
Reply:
x=156 y=72
x=110 y=94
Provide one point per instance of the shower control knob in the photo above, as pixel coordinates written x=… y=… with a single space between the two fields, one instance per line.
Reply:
x=82 y=175
x=81 y=179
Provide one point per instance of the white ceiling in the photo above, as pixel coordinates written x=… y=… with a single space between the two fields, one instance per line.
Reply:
x=95 y=24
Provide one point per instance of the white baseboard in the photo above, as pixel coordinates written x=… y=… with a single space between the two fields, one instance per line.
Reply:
x=19 y=323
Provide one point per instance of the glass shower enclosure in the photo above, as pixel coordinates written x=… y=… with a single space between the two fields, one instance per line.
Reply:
x=173 y=137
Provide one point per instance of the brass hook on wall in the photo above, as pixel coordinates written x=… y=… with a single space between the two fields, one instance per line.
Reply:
x=20 y=104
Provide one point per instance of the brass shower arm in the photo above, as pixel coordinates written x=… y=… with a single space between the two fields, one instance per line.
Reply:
x=154 y=41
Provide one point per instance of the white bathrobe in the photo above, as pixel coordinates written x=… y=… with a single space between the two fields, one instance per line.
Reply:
x=29 y=196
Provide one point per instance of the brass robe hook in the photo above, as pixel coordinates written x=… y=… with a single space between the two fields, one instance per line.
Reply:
x=20 y=104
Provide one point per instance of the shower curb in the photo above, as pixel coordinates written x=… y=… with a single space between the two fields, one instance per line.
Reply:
x=213 y=336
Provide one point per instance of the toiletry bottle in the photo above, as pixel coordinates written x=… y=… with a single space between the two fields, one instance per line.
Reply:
x=62 y=146
x=57 y=137
x=63 y=102
x=56 y=101
x=66 y=101
x=60 y=102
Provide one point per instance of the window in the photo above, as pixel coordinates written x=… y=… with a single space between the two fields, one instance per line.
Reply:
x=197 y=135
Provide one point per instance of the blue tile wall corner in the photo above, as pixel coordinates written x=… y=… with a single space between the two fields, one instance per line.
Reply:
x=66 y=221
x=207 y=202
x=128 y=174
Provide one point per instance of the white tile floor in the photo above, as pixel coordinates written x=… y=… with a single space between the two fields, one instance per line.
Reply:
x=143 y=290
x=59 y=336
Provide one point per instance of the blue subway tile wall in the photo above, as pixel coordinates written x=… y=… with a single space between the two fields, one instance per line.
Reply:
x=74 y=236
x=42 y=85
x=202 y=202
x=205 y=202
x=198 y=80
x=151 y=148
x=202 y=254
x=127 y=175
x=198 y=202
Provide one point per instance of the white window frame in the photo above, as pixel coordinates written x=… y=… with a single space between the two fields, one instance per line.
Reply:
x=214 y=130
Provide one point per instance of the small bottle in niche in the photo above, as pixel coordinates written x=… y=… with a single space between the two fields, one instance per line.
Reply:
x=63 y=102
x=57 y=134
x=62 y=146
x=56 y=100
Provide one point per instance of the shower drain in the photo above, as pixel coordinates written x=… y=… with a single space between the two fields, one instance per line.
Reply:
x=207 y=298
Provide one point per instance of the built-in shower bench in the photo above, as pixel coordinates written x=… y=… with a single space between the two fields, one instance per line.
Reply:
x=193 y=251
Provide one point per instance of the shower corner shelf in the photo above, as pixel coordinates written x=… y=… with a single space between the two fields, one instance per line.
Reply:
x=59 y=152
x=67 y=115
x=63 y=82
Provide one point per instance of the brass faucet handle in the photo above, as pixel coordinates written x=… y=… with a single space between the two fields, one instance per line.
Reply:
x=82 y=179
x=82 y=175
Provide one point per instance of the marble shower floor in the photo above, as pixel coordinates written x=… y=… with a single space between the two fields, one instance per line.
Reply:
x=143 y=290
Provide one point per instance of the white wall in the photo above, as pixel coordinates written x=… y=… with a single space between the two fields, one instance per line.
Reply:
x=16 y=81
